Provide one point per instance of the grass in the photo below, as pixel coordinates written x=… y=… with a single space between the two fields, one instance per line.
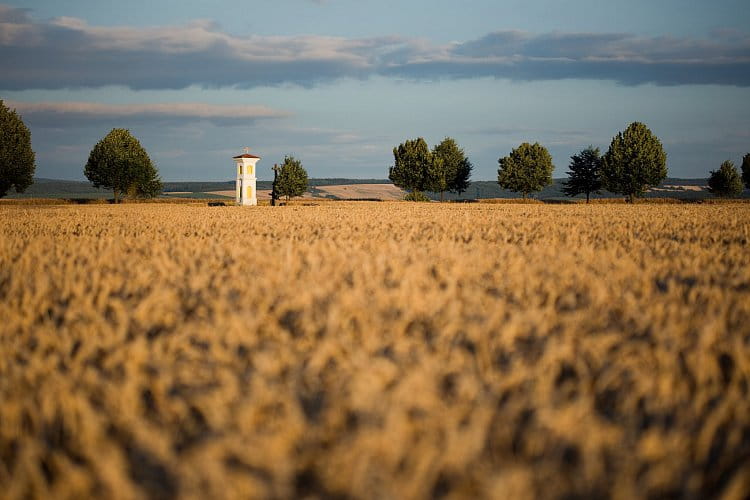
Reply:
x=375 y=350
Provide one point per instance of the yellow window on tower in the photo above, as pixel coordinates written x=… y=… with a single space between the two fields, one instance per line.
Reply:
x=249 y=192
x=239 y=192
x=250 y=170
x=239 y=169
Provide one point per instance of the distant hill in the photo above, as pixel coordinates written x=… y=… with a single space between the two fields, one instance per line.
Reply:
x=670 y=188
x=53 y=188
x=204 y=187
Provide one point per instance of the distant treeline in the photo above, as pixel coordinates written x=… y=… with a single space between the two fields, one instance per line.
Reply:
x=678 y=188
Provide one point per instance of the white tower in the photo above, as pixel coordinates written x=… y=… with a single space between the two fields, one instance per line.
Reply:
x=246 y=179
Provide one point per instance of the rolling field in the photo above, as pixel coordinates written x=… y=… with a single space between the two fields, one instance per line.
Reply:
x=375 y=350
x=375 y=191
x=337 y=192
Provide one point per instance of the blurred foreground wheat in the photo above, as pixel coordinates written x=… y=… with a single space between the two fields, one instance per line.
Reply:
x=379 y=350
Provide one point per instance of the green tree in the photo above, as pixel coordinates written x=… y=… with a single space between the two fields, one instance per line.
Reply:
x=416 y=196
x=16 y=157
x=746 y=170
x=527 y=169
x=634 y=162
x=725 y=182
x=456 y=166
x=585 y=175
x=292 y=179
x=119 y=162
x=416 y=169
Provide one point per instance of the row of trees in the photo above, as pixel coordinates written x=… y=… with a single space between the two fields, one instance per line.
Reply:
x=634 y=163
x=418 y=169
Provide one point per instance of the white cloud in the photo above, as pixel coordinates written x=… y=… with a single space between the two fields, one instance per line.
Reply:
x=68 y=53
x=55 y=113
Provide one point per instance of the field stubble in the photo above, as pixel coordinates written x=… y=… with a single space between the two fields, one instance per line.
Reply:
x=375 y=350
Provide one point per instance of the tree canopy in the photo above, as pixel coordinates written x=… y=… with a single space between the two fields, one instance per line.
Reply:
x=416 y=169
x=456 y=166
x=528 y=168
x=119 y=162
x=725 y=182
x=292 y=178
x=584 y=176
x=746 y=170
x=16 y=157
x=634 y=162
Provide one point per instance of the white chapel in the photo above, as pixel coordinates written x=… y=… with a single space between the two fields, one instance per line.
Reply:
x=246 y=179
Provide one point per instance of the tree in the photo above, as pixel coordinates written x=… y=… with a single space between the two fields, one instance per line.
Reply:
x=634 y=162
x=416 y=169
x=746 y=170
x=725 y=182
x=16 y=157
x=275 y=184
x=528 y=168
x=292 y=179
x=119 y=162
x=585 y=175
x=456 y=167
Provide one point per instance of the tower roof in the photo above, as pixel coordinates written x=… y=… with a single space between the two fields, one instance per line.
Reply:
x=246 y=155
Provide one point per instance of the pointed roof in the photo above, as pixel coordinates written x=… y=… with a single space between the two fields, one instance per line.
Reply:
x=246 y=155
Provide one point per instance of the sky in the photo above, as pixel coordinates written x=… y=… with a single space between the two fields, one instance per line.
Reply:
x=339 y=83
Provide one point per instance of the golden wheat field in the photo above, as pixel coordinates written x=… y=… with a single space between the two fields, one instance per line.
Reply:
x=375 y=351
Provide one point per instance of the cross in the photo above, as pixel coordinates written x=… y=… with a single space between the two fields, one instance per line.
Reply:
x=246 y=149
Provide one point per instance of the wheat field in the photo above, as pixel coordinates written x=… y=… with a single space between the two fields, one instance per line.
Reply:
x=375 y=351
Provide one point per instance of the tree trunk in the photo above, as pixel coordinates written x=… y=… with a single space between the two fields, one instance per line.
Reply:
x=441 y=196
x=524 y=196
x=587 y=198
x=274 y=192
x=116 y=195
x=631 y=198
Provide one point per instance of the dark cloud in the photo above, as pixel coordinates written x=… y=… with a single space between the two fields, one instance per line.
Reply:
x=67 y=53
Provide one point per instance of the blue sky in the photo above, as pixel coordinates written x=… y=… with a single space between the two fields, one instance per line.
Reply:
x=339 y=83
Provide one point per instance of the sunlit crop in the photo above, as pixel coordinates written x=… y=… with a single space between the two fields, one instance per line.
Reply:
x=375 y=350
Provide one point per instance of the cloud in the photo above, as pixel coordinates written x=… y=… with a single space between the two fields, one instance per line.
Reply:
x=55 y=114
x=68 y=53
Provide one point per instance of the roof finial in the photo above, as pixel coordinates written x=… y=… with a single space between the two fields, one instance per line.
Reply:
x=246 y=149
